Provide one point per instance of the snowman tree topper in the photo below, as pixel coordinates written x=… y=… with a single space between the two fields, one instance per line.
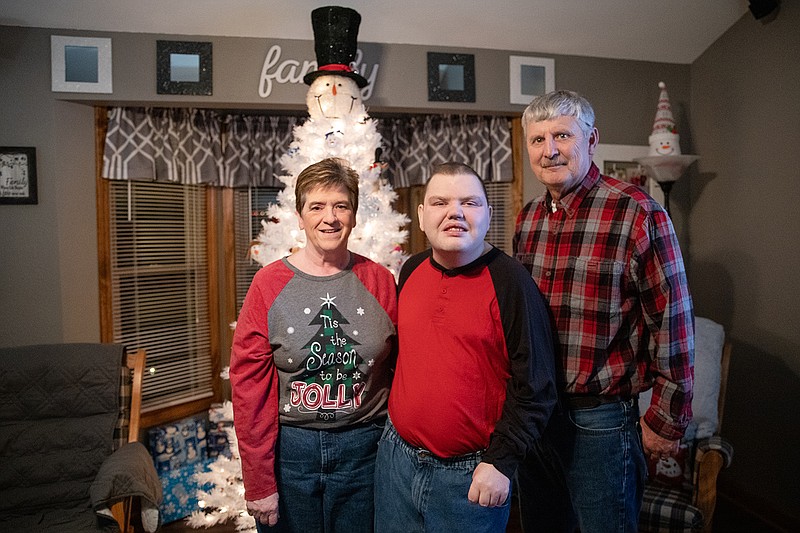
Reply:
x=338 y=126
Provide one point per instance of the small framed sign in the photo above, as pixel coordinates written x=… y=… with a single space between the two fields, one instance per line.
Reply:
x=18 y=175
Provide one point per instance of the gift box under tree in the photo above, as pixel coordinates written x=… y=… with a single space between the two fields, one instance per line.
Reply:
x=179 y=444
x=220 y=419
x=180 y=487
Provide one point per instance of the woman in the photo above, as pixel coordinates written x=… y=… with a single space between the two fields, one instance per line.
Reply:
x=310 y=367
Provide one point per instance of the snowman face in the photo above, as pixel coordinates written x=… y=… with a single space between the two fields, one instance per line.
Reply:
x=334 y=97
x=664 y=143
x=665 y=147
x=668 y=467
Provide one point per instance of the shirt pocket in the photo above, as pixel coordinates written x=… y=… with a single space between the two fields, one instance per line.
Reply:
x=596 y=292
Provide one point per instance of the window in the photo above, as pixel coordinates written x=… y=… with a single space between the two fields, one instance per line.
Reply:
x=501 y=230
x=159 y=286
x=250 y=207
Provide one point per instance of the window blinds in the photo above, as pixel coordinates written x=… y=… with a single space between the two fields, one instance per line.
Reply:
x=250 y=208
x=159 y=279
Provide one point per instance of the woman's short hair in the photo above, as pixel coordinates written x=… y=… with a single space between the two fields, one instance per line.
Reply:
x=560 y=104
x=331 y=172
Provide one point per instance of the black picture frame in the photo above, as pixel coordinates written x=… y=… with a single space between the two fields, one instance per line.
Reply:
x=451 y=77
x=18 y=175
x=173 y=79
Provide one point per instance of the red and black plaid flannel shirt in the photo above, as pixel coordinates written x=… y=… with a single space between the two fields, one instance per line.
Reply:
x=609 y=265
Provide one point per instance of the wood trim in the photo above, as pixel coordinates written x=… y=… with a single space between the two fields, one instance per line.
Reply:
x=517 y=165
x=135 y=361
x=175 y=412
x=417 y=238
x=408 y=198
x=229 y=282
x=103 y=231
x=212 y=243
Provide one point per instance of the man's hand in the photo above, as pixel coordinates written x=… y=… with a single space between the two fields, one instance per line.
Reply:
x=265 y=510
x=489 y=486
x=656 y=446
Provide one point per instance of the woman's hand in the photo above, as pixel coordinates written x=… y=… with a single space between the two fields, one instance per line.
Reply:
x=265 y=510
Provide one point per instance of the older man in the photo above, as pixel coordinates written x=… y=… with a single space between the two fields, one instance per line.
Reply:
x=606 y=258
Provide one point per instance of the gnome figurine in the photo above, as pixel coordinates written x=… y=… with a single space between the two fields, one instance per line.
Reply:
x=665 y=139
x=335 y=87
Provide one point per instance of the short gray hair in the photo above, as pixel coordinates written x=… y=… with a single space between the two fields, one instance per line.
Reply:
x=560 y=104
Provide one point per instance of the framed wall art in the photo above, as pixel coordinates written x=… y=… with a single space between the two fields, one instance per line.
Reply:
x=18 y=175
x=617 y=160
x=80 y=64
x=184 y=67
x=529 y=77
x=451 y=77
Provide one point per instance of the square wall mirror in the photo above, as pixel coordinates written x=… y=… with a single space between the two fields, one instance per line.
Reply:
x=451 y=77
x=529 y=77
x=80 y=64
x=184 y=67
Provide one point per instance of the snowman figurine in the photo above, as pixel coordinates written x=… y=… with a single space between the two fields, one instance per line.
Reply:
x=665 y=139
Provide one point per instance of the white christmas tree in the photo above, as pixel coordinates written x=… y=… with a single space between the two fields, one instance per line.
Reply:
x=338 y=126
x=224 y=499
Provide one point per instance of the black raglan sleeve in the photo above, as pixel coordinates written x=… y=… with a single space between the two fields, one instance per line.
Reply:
x=531 y=392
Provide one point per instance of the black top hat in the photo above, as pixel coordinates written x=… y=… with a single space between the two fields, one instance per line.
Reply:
x=335 y=36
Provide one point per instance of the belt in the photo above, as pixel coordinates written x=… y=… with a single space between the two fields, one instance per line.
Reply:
x=592 y=401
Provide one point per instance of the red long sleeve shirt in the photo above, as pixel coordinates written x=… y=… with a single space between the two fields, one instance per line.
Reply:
x=475 y=367
x=309 y=351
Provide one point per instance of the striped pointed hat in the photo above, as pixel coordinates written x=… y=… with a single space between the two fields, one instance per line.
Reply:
x=664 y=123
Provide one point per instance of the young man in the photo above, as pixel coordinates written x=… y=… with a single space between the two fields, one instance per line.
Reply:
x=474 y=385
x=606 y=258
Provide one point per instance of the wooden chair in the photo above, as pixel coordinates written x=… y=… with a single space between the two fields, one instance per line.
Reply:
x=123 y=511
x=710 y=461
x=70 y=451
x=686 y=502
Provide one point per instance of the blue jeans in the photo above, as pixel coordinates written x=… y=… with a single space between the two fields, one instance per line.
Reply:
x=588 y=470
x=326 y=479
x=418 y=492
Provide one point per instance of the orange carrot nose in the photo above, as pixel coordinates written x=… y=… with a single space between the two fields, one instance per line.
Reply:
x=334 y=90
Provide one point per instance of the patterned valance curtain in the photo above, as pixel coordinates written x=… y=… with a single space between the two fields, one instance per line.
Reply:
x=196 y=146
x=413 y=144
x=255 y=144
x=173 y=145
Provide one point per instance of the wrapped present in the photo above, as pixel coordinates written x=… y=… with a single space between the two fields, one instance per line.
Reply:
x=220 y=420
x=218 y=441
x=180 y=488
x=179 y=443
